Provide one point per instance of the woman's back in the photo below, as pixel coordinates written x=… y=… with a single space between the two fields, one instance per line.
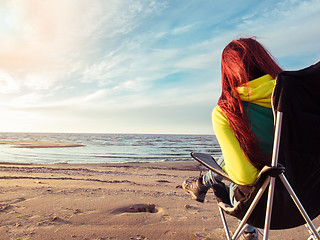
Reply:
x=256 y=100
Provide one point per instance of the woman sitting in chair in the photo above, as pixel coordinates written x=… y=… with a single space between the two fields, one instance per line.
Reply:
x=243 y=119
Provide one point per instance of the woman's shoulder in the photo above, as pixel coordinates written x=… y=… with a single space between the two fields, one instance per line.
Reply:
x=217 y=111
x=218 y=116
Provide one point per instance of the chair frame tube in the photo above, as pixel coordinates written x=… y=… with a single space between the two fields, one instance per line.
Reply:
x=274 y=163
x=225 y=225
x=286 y=184
x=251 y=208
x=299 y=206
x=312 y=237
x=224 y=222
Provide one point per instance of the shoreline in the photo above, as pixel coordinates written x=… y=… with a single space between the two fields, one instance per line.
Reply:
x=188 y=165
x=109 y=201
x=46 y=152
x=39 y=144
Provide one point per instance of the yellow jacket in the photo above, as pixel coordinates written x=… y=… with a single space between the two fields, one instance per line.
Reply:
x=237 y=166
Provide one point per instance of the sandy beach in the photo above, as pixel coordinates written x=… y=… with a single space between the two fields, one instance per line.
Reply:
x=108 y=201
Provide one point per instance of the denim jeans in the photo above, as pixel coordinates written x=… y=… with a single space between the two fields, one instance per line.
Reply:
x=210 y=178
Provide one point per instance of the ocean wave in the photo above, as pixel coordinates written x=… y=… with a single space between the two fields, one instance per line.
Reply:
x=101 y=148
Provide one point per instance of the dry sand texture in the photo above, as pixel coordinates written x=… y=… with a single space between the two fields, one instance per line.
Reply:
x=108 y=201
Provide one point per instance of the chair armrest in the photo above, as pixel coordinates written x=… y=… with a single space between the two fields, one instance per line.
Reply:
x=209 y=162
x=269 y=171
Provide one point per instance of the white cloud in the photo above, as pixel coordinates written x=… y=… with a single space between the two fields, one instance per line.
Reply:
x=183 y=29
x=38 y=81
x=288 y=29
x=7 y=83
x=26 y=100
x=68 y=59
x=200 y=61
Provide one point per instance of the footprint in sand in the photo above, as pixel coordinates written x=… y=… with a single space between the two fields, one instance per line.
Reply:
x=193 y=208
x=52 y=221
x=8 y=204
x=18 y=200
x=163 y=181
x=217 y=233
x=77 y=211
x=139 y=237
x=137 y=208
x=4 y=207
x=165 y=218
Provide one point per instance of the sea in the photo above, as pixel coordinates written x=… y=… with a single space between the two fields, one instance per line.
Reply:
x=107 y=148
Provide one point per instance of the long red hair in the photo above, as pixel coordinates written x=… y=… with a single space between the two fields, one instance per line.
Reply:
x=243 y=60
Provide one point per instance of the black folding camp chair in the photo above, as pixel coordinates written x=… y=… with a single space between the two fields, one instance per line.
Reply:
x=294 y=173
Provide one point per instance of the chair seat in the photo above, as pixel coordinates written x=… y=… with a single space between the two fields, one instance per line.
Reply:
x=221 y=191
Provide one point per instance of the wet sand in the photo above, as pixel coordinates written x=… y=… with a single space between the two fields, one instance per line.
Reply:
x=108 y=201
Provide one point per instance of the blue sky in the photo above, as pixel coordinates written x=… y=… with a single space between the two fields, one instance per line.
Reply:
x=140 y=66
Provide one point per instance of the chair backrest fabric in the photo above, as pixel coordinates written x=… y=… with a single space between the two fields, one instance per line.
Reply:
x=297 y=95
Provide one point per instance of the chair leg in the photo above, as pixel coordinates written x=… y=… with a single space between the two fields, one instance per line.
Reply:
x=269 y=208
x=299 y=206
x=312 y=237
x=224 y=222
x=251 y=208
x=275 y=155
x=241 y=231
x=226 y=229
x=261 y=232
